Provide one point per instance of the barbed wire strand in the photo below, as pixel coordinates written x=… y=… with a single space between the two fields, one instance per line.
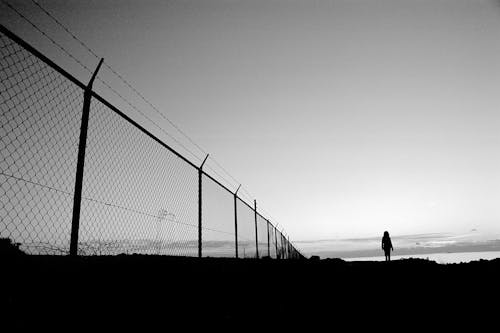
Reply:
x=65 y=29
x=129 y=85
x=47 y=36
x=98 y=78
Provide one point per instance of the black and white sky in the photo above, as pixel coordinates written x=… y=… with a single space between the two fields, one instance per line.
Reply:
x=343 y=118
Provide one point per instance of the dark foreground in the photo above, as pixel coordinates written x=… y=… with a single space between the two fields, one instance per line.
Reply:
x=155 y=292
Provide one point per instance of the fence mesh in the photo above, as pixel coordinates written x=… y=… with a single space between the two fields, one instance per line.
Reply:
x=285 y=247
x=262 y=236
x=272 y=240
x=138 y=195
x=279 y=245
x=246 y=231
x=218 y=239
x=40 y=114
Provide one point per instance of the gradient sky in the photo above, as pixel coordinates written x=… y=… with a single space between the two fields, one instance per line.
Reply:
x=342 y=118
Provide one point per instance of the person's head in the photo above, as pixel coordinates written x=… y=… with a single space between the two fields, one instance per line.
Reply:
x=386 y=233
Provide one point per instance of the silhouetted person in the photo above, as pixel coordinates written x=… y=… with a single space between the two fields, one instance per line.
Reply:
x=387 y=246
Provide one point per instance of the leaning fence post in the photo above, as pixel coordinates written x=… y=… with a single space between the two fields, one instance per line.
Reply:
x=200 y=177
x=236 y=220
x=77 y=197
x=256 y=237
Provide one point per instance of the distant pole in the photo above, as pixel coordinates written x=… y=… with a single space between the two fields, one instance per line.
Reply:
x=236 y=220
x=77 y=198
x=256 y=237
x=200 y=178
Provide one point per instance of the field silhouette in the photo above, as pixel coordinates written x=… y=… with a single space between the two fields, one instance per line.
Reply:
x=140 y=291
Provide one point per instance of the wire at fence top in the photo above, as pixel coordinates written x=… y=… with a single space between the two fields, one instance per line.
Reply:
x=66 y=52
x=145 y=116
x=65 y=29
x=86 y=47
x=118 y=75
x=118 y=94
x=47 y=36
x=129 y=85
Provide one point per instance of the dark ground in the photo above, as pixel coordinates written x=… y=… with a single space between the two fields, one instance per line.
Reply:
x=154 y=292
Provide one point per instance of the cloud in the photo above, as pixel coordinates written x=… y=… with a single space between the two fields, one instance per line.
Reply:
x=403 y=245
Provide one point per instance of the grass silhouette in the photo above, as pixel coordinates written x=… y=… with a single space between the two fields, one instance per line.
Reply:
x=142 y=291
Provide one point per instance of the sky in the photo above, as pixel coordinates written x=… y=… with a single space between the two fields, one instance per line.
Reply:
x=342 y=118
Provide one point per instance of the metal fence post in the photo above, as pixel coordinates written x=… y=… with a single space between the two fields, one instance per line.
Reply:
x=256 y=237
x=268 y=244
x=283 y=245
x=77 y=198
x=276 y=241
x=200 y=178
x=288 y=246
x=236 y=220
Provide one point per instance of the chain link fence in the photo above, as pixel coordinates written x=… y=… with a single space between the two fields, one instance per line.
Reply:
x=138 y=195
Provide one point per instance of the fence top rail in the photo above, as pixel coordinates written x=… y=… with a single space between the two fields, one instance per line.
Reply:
x=245 y=203
x=262 y=217
x=217 y=182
